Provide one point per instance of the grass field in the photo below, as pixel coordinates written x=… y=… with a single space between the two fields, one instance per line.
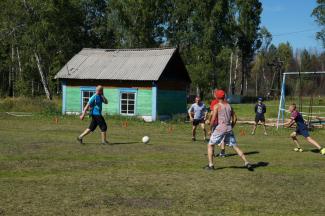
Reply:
x=43 y=171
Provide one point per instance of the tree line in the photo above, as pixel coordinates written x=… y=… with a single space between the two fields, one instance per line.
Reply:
x=216 y=38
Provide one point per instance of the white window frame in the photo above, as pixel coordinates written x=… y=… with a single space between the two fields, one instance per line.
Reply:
x=127 y=104
x=83 y=98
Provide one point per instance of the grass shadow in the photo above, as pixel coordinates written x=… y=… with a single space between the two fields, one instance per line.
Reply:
x=245 y=153
x=124 y=143
x=314 y=151
x=254 y=166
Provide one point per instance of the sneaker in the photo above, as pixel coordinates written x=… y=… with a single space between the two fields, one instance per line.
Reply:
x=253 y=133
x=105 y=142
x=193 y=139
x=249 y=166
x=79 y=140
x=265 y=133
x=222 y=155
x=209 y=168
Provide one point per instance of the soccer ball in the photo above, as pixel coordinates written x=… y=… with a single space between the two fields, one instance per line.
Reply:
x=322 y=151
x=145 y=139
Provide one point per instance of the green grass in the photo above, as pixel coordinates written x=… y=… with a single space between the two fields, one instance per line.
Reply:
x=43 y=171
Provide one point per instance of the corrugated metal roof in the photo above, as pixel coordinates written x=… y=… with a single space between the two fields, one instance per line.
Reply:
x=120 y=64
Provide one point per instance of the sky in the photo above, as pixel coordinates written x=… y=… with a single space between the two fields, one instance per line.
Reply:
x=290 y=20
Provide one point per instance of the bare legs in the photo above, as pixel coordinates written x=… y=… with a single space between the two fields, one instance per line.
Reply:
x=86 y=132
x=236 y=148
x=255 y=126
x=194 y=131
x=309 y=139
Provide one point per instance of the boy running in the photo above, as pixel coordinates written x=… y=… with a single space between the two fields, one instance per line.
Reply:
x=302 y=129
x=223 y=132
x=198 y=114
x=95 y=105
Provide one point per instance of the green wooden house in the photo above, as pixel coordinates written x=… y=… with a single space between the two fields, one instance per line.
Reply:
x=149 y=83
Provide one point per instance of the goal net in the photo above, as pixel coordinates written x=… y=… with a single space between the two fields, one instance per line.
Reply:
x=307 y=91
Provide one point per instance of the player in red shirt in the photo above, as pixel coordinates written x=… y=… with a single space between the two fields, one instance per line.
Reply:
x=213 y=103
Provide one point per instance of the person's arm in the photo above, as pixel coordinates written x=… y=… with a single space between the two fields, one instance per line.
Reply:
x=255 y=109
x=214 y=115
x=190 y=112
x=233 y=119
x=264 y=109
x=82 y=116
x=205 y=113
x=105 y=101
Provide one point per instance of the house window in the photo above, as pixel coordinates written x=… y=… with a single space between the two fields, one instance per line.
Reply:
x=127 y=103
x=86 y=95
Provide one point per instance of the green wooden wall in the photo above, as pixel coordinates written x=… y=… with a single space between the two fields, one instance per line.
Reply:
x=143 y=108
x=171 y=102
x=73 y=99
x=144 y=102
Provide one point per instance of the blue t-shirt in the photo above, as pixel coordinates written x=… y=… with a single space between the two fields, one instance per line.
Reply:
x=260 y=109
x=95 y=103
x=199 y=110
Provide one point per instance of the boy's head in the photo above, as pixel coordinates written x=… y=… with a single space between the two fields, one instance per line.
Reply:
x=197 y=99
x=292 y=107
x=99 y=90
x=220 y=94
x=260 y=100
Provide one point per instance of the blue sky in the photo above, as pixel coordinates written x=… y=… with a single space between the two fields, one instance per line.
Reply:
x=282 y=17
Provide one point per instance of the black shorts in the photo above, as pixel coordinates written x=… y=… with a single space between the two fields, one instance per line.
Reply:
x=259 y=119
x=196 y=122
x=98 y=121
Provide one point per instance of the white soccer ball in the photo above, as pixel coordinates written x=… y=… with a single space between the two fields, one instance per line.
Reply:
x=145 y=139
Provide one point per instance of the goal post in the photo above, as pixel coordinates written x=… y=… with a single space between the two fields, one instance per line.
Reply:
x=281 y=110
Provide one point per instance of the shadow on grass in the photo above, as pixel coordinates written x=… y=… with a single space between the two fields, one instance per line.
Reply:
x=113 y=143
x=245 y=153
x=254 y=166
x=314 y=151
x=124 y=143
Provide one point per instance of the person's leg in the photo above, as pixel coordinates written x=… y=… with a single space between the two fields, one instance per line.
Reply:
x=263 y=123
x=86 y=132
x=210 y=154
x=193 y=132
x=293 y=135
x=92 y=127
x=240 y=153
x=313 y=142
x=222 y=149
x=204 y=131
x=254 y=127
x=231 y=139
x=103 y=129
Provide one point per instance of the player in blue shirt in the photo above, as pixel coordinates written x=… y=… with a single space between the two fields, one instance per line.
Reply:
x=198 y=114
x=260 y=110
x=95 y=106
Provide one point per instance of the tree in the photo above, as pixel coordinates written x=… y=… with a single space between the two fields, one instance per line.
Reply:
x=249 y=18
x=319 y=14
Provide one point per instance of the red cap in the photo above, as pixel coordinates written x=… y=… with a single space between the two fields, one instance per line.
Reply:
x=220 y=94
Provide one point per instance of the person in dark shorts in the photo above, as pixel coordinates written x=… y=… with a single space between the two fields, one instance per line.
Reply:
x=198 y=114
x=260 y=110
x=301 y=129
x=95 y=106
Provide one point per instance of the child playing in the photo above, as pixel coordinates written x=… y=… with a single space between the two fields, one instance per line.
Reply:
x=302 y=129
x=95 y=103
x=260 y=110
x=223 y=132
